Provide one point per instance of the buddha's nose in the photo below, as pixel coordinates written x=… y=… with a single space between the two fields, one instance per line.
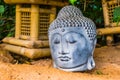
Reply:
x=63 y=53
x=64 y=49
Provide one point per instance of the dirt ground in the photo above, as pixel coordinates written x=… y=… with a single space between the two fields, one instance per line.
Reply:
x=107 y=68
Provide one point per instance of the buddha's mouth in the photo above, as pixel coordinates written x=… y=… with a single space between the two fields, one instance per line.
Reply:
x=64 y=58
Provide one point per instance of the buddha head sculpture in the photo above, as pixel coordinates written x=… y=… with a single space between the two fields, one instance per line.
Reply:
x=72 y=39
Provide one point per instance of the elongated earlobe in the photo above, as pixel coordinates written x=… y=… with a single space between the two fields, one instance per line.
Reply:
x=91 y=63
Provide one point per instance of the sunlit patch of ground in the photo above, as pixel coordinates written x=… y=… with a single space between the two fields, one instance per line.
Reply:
x=107 y=61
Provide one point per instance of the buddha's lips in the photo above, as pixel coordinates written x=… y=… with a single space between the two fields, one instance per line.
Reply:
x=64 y=58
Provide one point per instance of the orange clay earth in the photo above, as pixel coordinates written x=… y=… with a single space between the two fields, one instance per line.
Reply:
x=107 y=68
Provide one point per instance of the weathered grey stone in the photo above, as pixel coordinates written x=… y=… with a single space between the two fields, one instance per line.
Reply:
x=72 y=39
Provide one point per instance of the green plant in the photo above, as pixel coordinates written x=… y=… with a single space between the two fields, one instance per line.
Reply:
x=7 y=19
x=98 y=72
x=2 y=9
x=116 y=15
x=74 y=2
x=91 y=9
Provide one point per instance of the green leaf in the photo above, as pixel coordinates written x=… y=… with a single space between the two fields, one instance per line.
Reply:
x=72 y=1
x=116 y=14
x=2 y=9
x=98 y=72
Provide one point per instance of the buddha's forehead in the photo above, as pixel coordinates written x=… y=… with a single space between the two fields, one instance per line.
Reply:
x=63 y=31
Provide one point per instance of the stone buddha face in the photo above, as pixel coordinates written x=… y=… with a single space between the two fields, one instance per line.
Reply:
x=69 y=49
x=72 y=44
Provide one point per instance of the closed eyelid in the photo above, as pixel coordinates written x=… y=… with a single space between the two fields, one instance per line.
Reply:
x=57 y=41
x=71 y=40
x=56 y=38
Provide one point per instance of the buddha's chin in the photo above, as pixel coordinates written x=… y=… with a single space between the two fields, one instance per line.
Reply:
x=81 y=67
x=69 y=65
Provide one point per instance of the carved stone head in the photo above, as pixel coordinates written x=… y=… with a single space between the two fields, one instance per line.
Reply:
x=72 y=39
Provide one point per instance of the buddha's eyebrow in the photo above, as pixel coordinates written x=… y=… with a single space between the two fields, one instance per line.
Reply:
x=70 y=32
x=56 y=34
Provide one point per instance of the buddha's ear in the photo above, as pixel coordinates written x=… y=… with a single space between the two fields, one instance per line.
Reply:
x=90 y=63
x=95 y=41
x=92 y=46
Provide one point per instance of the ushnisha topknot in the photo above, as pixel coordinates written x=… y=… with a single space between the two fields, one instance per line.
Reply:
x=69 y=11
x=71 y=16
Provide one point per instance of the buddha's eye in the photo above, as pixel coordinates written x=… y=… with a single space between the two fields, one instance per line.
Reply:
x=56 y=41
x=72 y=42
